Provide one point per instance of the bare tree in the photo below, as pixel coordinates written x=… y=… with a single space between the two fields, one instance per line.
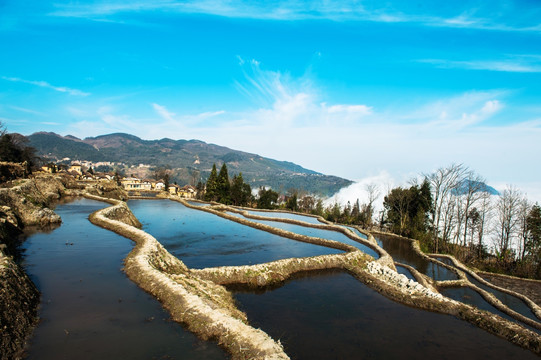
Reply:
x=459 y=218
x=448 y=219
x=507 y=211
x=307 y=203
x=485 y=216
x=471 y=190
x=373 y=194
x=442 y=182
x=523 y=229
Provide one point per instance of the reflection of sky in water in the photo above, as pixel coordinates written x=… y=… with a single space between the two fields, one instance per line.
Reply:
x=405 y=271
x=401 y=252
x=357 y=232
x=324 y=234
x=333 y=316
x=91 y=310
x=285 y=215
x=197 y=203
x=202 y=239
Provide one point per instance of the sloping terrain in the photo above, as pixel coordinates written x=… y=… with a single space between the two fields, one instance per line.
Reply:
x=185 y=157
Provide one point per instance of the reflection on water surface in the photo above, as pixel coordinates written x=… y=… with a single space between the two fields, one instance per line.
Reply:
x=89 y=308
x=201 y=239
x=334 y=316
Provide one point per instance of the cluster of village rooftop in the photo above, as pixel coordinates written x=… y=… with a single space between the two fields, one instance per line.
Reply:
x=128 y=183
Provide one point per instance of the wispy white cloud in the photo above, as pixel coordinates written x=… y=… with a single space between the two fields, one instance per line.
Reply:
x=172 y=118
x=46 y=85
x=522 y=64
x=293 y=102
x=28 y=111
x=489 y=18
x=163 y=112
x=453 y=112
x=210 y=114
x=353 y=140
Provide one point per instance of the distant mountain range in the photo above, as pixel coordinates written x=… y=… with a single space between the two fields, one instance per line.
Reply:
x=186 y=157
x=465 y=185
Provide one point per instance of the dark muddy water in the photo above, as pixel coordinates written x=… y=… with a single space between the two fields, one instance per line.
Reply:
x=202 y=240
x=402 y=252
x=334 y=316
x=89 y=308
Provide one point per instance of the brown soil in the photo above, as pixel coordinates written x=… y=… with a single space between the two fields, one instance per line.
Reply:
x=529 y=288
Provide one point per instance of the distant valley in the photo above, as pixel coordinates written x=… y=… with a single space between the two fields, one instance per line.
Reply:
x=187 y=160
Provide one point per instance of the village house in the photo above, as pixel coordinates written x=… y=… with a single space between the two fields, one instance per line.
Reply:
x=50 y=168
x=159 y=185
x=133 y=183
x=76 y=167
x=174 y=189
x=187 y=192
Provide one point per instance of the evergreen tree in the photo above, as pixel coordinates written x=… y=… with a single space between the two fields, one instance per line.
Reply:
x=223 y=186
x=240 y=192
x=166 y=181
x=533 y=243
x=356 y=211
x=267 y=199
x=332 y=213
x=408 y=210
x=200 y=190
x=211 y=191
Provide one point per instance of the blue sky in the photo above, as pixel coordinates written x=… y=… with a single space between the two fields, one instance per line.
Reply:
x=358 y=89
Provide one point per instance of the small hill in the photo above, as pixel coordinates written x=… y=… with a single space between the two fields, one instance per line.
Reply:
x=186 y=157
x=54 y=146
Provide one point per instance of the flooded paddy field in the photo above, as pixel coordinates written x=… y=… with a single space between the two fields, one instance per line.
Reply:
x=402 y=252
x=529 y=288
x=508 y=300
x=202 y=240
x=285 y=215
x=331 y=315
x=89 y=308
x=321 y=233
